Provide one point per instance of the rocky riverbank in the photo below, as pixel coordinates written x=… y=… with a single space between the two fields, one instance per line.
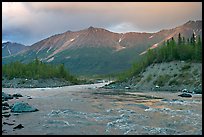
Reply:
x=15 y=108
x=171 y=76
x=40 y=83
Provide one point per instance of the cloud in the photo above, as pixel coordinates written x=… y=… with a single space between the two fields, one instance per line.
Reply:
x=123 y=27
x=29 y=22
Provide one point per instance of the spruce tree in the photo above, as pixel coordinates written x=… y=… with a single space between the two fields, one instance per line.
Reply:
x=179 y=39
x=188 y=41
x=183 y=41
x=193 y=39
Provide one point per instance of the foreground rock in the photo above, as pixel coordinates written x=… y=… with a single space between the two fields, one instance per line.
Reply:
x=19 y=126
x=6 y=96
x=19 y=107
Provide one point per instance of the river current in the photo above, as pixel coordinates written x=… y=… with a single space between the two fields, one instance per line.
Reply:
x=90 y=110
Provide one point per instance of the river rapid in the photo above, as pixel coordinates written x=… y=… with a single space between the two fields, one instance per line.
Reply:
x=91 y=110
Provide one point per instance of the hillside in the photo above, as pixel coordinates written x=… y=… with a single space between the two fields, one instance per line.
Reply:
x=99 y=51
x=172 y=67
x=9 y=48
x=167 y=76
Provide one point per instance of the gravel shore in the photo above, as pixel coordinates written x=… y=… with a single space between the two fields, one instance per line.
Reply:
x=31 y=83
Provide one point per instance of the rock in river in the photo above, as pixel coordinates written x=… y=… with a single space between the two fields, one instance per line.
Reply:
x=19 y=126
x=17 y=95
x=185 y=95
x=19 y=107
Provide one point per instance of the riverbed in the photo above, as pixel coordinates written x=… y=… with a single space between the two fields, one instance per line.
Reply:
x=92 y=110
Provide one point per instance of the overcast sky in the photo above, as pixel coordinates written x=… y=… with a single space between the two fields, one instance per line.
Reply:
x=29 y=22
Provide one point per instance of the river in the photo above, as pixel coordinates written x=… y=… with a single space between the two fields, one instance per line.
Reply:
x=91 y=110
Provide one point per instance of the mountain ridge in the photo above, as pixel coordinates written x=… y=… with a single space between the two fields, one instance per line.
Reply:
x=11 y=48
x=75 y=48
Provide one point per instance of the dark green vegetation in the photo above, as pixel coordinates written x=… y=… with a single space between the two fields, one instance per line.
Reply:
x=184 y=50
x=89 y=61
x=85 y=61
x=37 y=70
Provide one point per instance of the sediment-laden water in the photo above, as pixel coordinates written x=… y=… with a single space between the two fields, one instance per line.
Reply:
x=88 y=109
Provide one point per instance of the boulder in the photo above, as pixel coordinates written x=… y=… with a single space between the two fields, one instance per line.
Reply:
x=184 y=90
x=19 y=126
x=5 y=107
x=17 y=95
x=19 y=107
x=5 y=123
x=185 y=95
x=6 y=115
x=166 y=100
x=157 y=86
x=127 y=87
x=5 y=104
x=29 y=97
x=6 y=96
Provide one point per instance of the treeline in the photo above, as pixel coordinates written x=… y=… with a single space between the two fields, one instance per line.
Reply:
x=36 y=70
x=182 y=50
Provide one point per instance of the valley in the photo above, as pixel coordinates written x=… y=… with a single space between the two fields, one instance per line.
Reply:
x=94 y=81
x=102 y=68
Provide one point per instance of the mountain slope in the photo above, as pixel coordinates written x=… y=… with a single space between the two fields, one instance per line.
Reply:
x=99 y=51
x=9 y=48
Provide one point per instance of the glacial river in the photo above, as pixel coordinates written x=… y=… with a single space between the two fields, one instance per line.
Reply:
x=90 y=110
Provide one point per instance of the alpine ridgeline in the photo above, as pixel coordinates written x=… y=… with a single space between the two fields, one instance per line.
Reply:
x=9 y=48
x=99 y=51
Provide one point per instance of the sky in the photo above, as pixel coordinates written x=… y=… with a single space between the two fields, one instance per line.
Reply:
x=30 y=22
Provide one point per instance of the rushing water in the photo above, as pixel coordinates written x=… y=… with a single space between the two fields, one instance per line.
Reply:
x=85 y=109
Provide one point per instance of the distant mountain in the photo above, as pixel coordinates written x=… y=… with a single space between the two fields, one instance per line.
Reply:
x=99 y=51
x=9 y=48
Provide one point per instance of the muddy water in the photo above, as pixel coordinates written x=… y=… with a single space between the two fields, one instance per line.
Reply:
x=87 y=109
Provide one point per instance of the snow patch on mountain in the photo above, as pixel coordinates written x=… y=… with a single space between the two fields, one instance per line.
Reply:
x=154 y=46
x=72 y=39
x=51 y=59
x=3 y=46
x=67 y=57
x=118 y=48
x=9 y=50
x=121 y=38
x=151 y=36
x=39 y=50
x=49 y=49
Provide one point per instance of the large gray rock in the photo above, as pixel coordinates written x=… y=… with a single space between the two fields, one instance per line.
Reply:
x=19 y=107
x=6 y=96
